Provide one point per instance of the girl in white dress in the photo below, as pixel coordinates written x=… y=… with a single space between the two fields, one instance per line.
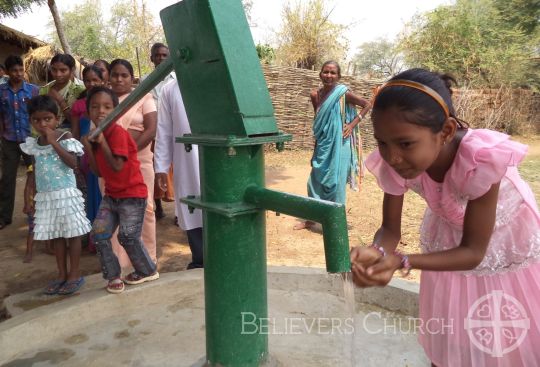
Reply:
x=59 y=205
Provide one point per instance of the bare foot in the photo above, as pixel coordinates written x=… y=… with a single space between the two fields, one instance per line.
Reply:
x=303 y=225
x=27 y=258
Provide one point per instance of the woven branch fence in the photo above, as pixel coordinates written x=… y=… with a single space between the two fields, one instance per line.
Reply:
x=290 y=90
x=514 y=111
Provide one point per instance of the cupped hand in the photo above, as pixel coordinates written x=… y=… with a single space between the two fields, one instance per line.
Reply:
x=361 y=259
x=365 y=256
x=380 y=273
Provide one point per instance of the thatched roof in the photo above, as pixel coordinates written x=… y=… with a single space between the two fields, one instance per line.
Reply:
x=36 y=64
x=17 y=38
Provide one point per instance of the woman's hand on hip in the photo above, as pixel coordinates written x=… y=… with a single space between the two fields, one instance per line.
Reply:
x=347 y=130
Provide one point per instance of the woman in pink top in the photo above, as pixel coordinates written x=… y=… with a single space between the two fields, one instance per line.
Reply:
x=480 y=237
x=80 y=126
x=80 y=123
x=140 y=121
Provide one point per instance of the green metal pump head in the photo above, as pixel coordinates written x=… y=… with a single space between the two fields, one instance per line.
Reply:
x=212 y=51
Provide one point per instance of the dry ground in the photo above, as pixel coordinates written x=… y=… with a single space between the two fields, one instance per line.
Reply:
x=287 y=171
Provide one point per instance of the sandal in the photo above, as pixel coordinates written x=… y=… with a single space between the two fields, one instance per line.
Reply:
x=115 y=286
x=71 y=286
x=53 y=287
x=135 y=278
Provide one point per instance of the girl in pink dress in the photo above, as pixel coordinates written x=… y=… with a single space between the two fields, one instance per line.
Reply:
x=480 y=236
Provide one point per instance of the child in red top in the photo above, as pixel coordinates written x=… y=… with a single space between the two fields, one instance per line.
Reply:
x=113 y=156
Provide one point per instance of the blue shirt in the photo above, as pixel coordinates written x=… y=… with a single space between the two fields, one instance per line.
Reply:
x=13 y=114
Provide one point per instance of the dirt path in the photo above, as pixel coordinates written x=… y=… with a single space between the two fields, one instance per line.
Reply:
x=288 y=172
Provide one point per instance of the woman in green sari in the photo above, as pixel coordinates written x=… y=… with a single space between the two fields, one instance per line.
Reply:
x=65 y=88
x=335 y=159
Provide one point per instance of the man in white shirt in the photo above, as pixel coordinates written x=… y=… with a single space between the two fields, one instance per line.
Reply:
x=173 y=122
x=158 y=53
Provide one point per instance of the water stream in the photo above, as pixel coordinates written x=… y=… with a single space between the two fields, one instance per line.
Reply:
x=350 y=310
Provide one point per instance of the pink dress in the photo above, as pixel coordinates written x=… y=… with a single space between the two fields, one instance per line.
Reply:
x=486 y=316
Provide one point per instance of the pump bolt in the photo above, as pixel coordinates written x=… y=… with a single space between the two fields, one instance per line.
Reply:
x=184 y=54
x=280 y=146
x=231 y=152
x=188 y=147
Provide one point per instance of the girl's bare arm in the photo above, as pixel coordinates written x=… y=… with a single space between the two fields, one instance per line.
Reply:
x=89 y=150
x=70 y=159
x=387 y=237
x=75 y=127
x=389 y=234
x=478 y=226
x=149 y=133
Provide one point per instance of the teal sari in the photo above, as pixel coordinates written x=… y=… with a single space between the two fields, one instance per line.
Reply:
x=332 y=159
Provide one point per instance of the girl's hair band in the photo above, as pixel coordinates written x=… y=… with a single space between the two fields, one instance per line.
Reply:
x=421 y=87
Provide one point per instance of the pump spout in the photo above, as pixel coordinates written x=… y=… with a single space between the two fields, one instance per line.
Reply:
x=330 y=215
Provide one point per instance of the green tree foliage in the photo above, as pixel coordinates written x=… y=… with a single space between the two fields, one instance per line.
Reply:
x=248 y=5
x=378 y=59
x=131 y=29
x=307 y=37
x=266 y=53
x=86 y=31
x=134 y=28
x=12 y=8
x=15 y=7
x=524 y=14
x=473 y=40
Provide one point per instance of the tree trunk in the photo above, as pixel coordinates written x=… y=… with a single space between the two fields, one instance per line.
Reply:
x=58 y=25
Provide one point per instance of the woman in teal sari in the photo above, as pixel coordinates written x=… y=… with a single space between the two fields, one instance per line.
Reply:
x=335 y=160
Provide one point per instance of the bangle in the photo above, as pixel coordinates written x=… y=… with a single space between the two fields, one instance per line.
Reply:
x=405 y=267
x=380 y=249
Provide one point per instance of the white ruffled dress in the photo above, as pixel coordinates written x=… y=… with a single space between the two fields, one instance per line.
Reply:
x=59 y=204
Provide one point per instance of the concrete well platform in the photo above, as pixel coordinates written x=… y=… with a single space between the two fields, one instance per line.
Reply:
x=162 y=324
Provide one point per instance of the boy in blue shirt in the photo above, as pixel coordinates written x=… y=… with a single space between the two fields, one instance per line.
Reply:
x=14 y=128
x=3 y=77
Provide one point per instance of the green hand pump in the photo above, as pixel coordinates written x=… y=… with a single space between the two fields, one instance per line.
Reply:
x=231 y=116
